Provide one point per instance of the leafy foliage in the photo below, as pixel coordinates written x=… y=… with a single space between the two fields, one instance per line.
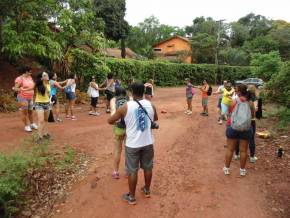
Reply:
x=279 y=86
x=266 y=65
x=173 y=74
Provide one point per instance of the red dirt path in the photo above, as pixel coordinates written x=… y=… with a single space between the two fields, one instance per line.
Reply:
x=188 y=179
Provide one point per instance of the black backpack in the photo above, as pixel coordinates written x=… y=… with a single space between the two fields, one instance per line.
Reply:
x=209 y=92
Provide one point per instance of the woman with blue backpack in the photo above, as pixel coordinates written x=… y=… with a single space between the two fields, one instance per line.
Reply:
x=119 y=100
x=239 y=129
x=70 y=91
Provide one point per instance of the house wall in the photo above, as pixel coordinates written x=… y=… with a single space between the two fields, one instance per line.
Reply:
x=172 y=46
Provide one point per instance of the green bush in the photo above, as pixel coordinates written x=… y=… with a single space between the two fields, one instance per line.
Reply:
x=278 y=88
x=173 y=74
x=266 y=65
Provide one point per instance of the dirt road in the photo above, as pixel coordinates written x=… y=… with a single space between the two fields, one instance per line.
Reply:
x=188 y=179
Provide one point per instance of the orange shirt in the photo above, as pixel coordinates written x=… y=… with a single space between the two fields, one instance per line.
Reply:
x=204 y=90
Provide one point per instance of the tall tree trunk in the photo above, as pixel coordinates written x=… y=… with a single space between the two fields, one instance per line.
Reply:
x=123 y=48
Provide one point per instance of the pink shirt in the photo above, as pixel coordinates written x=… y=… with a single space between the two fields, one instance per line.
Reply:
x=25 y=83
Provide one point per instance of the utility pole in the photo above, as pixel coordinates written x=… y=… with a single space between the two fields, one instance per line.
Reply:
x=217 y=46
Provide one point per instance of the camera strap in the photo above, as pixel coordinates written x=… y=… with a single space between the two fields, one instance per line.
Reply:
x=140 y=105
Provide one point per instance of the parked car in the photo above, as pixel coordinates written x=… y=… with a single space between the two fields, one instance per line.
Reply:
x=251 y=81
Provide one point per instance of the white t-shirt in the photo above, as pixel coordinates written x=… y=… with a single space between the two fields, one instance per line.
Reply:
x=221 y=89
x=138 y=125
x=94 y=92
x=72 y=84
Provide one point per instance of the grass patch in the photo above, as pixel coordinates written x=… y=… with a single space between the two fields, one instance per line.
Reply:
x=31 y=175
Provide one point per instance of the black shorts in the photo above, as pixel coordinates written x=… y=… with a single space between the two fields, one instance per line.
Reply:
x=139 y=157
x=94 y=101
x=109 y=95
x=54 y=99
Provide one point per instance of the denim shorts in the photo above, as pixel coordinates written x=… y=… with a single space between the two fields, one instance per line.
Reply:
x=29 y=103
x=70 y=96
x=136 y=157
x=234 y=134
x=42 y=106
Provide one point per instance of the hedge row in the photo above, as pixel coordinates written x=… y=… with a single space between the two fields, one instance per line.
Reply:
x=164 y=73
x=173 y=74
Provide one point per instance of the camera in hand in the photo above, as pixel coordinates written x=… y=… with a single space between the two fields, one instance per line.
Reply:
x=154 y=125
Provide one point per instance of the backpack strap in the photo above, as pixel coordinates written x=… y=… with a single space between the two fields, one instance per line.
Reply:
x=140 y=105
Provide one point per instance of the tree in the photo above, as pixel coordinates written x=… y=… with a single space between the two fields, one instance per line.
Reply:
x=266 y=65
x=239 y=34
x=149 y=32
x=261 y=44
x=281 y=34
x=113 y=14
x=208 y=38
x=279 y=86
x=257 y=25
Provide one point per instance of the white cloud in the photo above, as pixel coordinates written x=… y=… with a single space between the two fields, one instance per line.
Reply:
x=182 y=12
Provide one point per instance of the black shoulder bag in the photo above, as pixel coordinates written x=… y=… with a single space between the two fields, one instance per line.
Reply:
x=154 y=125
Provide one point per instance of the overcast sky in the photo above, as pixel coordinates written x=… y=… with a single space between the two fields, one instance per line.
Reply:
x=182 y=12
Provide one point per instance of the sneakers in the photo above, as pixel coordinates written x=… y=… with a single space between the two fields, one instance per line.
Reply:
x=204 y=114
x=108 y=111
x=96 y=114
x=220 y=122
x=145 y=192
x=73 y=118
x=253 y=159
x=189 y=112
x=33 y=126
x=243 y=172
x=27 y=129
x=226 y=171
x=129 y=199
x=236 y=157
x=115 y=175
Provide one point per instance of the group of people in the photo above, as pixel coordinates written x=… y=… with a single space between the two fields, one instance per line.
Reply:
x=40 y=95
x=239 y=107
x=133 y=116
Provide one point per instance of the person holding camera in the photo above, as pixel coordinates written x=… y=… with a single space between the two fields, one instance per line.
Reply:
x=139 y=116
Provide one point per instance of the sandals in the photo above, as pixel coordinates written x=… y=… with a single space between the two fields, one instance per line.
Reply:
x=115 y=175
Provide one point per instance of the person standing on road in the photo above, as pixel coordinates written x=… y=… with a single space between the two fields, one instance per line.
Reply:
x=109 y=85
x=94 y=94
x=118 y=101
x=149 y=89
x=252 y=142
x=219 y=91
x=70 y=91
x=54 y=85
x=42 y=104
x=139 y=115
x=239 y=129
x=189 y=92
x=204 y=97
x=228 y=93
x=24 y=86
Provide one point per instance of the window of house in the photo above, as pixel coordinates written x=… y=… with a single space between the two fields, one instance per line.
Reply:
x=157 y=49
x=170 y=46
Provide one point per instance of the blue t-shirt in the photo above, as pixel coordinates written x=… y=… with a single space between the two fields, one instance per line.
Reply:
x=53 y=89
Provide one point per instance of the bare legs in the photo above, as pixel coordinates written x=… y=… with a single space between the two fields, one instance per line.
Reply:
x=231 y=148
x=189 y=104
x=117 y=154
x=133 y=178
x=69 y=108
x=42 y=116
